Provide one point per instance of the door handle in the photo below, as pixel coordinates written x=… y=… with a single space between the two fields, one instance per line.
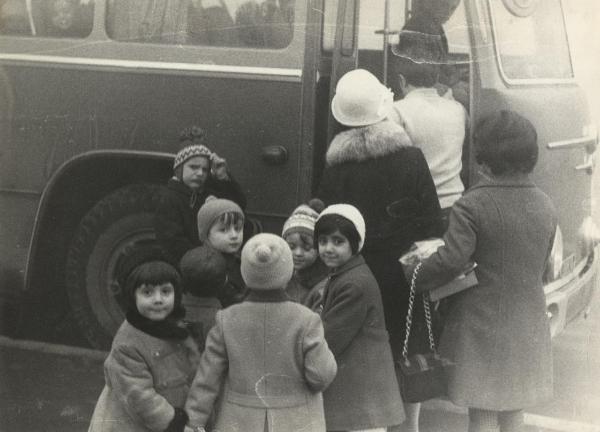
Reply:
x=274 y=155
x=587 y=165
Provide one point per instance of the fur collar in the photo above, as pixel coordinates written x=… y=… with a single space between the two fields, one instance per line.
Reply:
x=368 y=142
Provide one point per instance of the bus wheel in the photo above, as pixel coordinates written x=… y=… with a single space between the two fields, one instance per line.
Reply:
x=113 y=228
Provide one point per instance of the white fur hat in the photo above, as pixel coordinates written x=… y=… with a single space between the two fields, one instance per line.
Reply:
x=353 y=215
x=360 y=99
x=267 y=262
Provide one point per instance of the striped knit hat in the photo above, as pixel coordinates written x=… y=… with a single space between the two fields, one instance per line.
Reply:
x=303 y=218
x=190 y=151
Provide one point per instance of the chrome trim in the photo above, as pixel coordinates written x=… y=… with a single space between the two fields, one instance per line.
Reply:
x=295 y=74
x=559 y=283
x=570 y=143
x=20 y=192
x=528 y=81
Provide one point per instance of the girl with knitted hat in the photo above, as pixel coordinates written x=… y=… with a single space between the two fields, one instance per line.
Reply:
x=267 y=355
x=221 y=228
x=197 y=173
x=374 y=166
x=298 y=232
x=152 y=360
x=364 y=395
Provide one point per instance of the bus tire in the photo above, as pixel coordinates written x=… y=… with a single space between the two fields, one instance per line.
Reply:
x=118 y=223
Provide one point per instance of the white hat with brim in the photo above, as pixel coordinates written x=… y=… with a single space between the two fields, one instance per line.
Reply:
x=360 y=99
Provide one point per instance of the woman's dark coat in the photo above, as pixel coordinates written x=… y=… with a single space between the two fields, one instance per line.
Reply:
x=375 y=169
x=497 y=333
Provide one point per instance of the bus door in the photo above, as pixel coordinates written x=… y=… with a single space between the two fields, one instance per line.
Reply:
x=523 y=64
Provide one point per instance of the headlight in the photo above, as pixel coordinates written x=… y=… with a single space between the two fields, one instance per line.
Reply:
x=555 y=260
x=589 y=236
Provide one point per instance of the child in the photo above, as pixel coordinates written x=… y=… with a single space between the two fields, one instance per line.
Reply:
x=203 y=276
x=151 y=363
x=198 y=173
x=298 y=232
x=220 y=227
x=268 y=351
x=364 y=395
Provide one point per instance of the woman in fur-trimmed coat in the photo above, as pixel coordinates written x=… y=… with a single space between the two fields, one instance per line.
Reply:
x=375 y=169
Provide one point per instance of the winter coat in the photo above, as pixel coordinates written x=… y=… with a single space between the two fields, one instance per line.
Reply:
x=303 y=281
x=497 y=333
x=273 y=360
x=175 y=221
x=146 y=379
x=375 y=169
x=364 y=394
x=200 y=316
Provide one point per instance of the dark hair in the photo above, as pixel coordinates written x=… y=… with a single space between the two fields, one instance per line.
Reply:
x=330 y=223
x=152 y=273
x=203 y=271
x=419 y=52
x=506 y=142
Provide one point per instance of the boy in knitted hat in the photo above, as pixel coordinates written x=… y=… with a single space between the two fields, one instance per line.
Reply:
x=197 y=173
x=309 y=270
x=203 y=277
x=221 y=228
x=267 y=353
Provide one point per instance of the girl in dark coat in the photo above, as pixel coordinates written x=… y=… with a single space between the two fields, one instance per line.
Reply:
x=364 y=395
x=374 y=167
x=198 y=173
x=497 y=333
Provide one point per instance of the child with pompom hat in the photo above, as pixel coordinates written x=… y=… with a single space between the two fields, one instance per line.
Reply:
x=268 y=354
x=309 y=270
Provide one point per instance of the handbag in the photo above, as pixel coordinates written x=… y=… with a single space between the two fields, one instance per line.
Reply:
x=421 y=376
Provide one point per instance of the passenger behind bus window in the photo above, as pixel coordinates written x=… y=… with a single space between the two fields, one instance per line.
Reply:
x=210 y=23
x=197 y=173
x=265 y=25
x=434 y=123
x=158 y=21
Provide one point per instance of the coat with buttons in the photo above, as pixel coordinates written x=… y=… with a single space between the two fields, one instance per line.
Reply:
x=146 y=379
x=497 y=332
x=269 y=356
x=364 y=394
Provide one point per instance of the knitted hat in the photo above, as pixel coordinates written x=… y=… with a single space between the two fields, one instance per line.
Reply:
x=190 y=151
x=210 y=211
x=203 y=271
x=303 y=218
x=360 y=99
x=266 y=262
x=352 y=214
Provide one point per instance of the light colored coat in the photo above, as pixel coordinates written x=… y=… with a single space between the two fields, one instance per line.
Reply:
x=146 y=378
x=497 y=333
x=270 y=357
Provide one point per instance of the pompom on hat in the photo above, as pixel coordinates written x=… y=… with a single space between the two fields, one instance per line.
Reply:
x=360 y=99
x=303 y=218
x=267 y=262
x=353 y=215
x=210 y=211
x=189 y=151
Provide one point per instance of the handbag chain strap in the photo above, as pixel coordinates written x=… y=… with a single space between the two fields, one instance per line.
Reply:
x=411 y=302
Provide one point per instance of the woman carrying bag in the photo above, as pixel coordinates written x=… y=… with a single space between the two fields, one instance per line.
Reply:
x=496 y=333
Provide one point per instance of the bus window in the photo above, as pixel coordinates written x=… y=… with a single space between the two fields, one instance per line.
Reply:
x=531 y=40
x=47 y=18
x=225 y=23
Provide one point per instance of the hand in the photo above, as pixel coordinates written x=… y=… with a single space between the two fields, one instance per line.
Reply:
x=218 y=167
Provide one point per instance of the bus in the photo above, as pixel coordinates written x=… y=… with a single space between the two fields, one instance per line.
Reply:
x=93 y=95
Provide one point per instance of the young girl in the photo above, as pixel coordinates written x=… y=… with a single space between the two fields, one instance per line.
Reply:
x=197 y=173
x=298 y=232
x=364 y=395
x=268 y=354
x=150 y=367
x=221 y=227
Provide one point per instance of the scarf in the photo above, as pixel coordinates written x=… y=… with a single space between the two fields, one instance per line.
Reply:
x=165 y=329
